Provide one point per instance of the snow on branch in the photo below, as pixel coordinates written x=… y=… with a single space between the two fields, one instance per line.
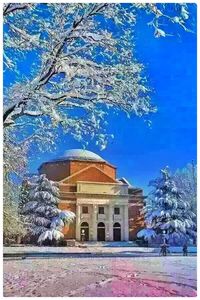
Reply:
x=11 y=8
x=64 y=47
x=79 y=64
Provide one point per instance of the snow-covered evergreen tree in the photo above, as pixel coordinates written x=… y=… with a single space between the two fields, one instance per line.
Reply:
x=169 y=217
x=23 y=195
x=45 y=221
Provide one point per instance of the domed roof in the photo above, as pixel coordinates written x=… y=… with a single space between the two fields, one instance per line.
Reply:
x=80 y=154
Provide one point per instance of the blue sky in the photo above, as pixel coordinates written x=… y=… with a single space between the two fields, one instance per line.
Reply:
x=137 y=150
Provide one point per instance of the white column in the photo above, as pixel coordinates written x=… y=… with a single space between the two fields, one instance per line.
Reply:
x=122 y=222
x=126 y=223
x=78 y=220
x=110 y=219
x=94 y=222
x=107 y=233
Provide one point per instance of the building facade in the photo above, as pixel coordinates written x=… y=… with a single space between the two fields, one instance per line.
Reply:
x=106 y=208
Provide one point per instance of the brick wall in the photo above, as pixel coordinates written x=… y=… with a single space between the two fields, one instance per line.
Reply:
x=67 y=188
x=136 y=219
x=55 y=171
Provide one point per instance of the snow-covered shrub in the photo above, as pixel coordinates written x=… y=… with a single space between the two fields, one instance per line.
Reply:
x=43 y=218
x=168 y=216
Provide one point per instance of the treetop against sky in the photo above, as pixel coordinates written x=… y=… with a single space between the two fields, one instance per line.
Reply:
x=120 y=57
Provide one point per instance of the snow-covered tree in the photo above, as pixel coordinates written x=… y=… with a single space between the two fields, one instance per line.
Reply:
x=170 y=217
x=13 y=226
x=80 y=63
x=43 y=219
x=186 y=181
x=24 y=195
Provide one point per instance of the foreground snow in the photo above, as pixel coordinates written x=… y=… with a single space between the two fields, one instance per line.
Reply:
x=96 y=248
x=146 y=276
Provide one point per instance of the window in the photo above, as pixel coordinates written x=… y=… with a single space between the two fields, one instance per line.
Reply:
x=117 y=211
x=85 y=210
x=101 y=210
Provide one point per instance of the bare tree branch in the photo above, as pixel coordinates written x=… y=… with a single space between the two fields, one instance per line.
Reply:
x=10 y=8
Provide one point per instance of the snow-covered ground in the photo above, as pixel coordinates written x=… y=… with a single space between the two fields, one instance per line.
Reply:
x=113 y=248
x=141 y=276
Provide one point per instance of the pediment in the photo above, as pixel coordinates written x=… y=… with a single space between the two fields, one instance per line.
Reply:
x=90 y=173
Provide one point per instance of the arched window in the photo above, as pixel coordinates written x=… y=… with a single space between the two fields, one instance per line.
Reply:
x=85 y=224
x=101 y=224
x=117 y=225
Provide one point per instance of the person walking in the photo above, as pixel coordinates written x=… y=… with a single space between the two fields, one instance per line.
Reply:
x=185 y=250
x=163 y=249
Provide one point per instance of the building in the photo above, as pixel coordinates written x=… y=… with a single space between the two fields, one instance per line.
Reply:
x=106 y=208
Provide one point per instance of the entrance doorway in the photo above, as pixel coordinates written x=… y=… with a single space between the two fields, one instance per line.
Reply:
x=84 y=232
x=101 y=232
x=117 y=232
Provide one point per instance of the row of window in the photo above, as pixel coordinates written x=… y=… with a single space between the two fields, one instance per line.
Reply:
x=101 y=210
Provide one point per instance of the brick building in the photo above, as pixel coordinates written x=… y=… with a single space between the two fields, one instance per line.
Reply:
x=106 y=208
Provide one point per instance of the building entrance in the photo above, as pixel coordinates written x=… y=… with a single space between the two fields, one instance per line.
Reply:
x=101 y=232
x=84 y=231
x=117 y=232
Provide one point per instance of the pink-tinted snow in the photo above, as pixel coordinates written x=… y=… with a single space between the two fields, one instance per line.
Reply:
x=141 y=276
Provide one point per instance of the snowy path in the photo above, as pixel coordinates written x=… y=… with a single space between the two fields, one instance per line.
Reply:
x=96 y=248
x=152 y=276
